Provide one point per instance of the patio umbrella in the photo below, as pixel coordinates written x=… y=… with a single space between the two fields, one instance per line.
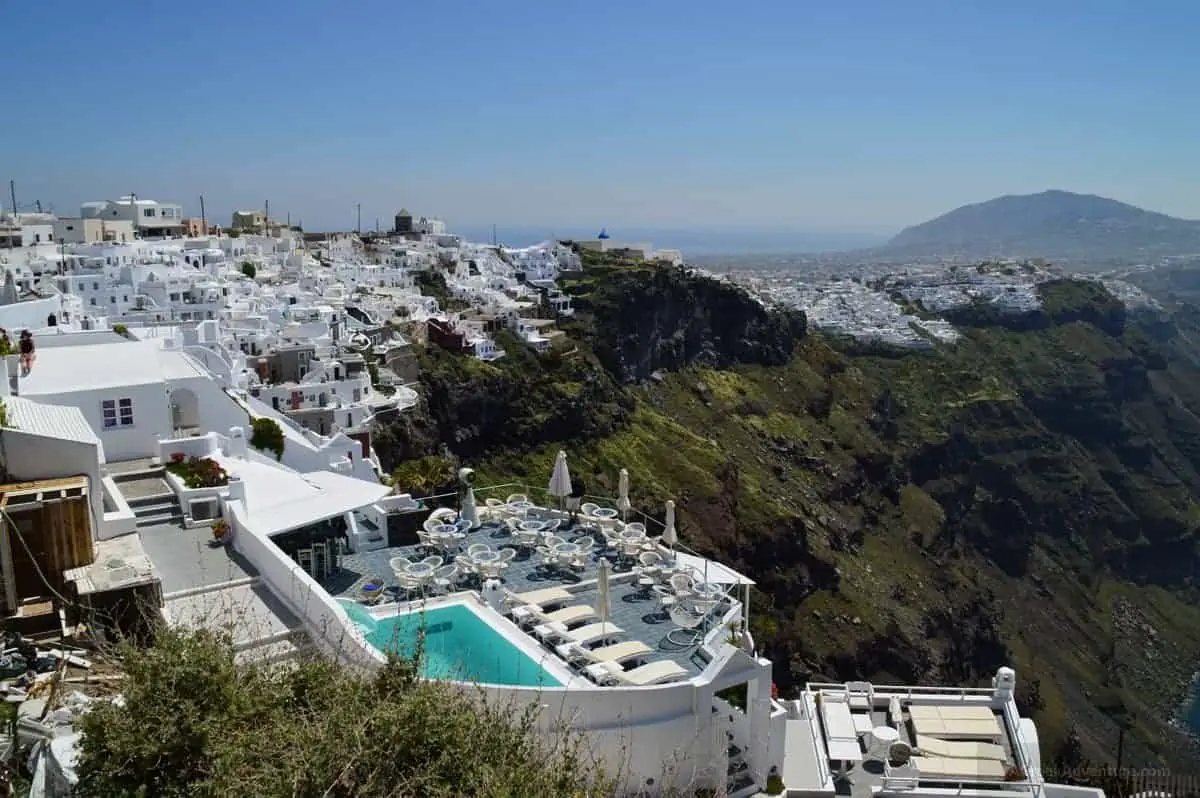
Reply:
x=560 y=480
x=602 y=600
x=669 y=536
x=468 y=511
x=623 y=493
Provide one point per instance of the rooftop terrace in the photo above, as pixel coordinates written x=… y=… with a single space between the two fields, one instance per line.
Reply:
x=635 y=607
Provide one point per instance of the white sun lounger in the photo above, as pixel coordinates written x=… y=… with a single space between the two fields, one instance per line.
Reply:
x=958 y=749
x=591 y=633
x=955 y=722
x=934 y=767
x=664 y=670
x=617 y=652
x=566 y=616
x=547 y=595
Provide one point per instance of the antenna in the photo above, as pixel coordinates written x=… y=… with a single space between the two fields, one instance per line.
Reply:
x=493 y=235
x=203 y=218
x=266 y=216
x=358 y=224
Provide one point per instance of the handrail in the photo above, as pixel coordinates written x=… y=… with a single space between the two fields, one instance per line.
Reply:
x=814 y=724
x=909 y=689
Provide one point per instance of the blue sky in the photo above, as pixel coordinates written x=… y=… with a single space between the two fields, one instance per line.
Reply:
x=831 y=118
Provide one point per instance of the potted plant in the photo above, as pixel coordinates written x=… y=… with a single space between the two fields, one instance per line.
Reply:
x=220 y=530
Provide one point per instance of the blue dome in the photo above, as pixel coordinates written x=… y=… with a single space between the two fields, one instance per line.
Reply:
x=603 y=233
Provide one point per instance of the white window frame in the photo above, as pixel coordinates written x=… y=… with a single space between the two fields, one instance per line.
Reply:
x=116 y=413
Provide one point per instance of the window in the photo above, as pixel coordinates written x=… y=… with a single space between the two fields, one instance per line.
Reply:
x=112 y=300
x=148 y=213
x=117 y=413
x=95 y=286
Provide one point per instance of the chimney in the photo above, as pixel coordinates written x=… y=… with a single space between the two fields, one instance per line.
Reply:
x=237 y=489
x=1004 y=684
x=237 y=442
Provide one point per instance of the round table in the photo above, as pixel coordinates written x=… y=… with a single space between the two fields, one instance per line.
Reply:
x=521 y=507
x=420 y=570
x=445 y=529
x=485 y=557
x=532 y=526
x=882 y=738
x=604 y=513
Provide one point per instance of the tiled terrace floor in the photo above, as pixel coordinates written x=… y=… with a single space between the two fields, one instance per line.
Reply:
x=637 y=614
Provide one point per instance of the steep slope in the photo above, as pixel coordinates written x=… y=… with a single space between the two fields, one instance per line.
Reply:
x=1052 y=224
x=1023 y=497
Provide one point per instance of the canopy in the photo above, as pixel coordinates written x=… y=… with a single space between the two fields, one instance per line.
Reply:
x=711 y=571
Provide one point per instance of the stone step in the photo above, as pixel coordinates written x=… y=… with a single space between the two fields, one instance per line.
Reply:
x=164 y=515
x=155 y=499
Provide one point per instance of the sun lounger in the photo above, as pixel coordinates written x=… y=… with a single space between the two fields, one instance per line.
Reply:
x=933 y=767
x=547 y=595
x=664 y=670
x=958 y=749
x=617 y=652
x=955 y=722
x=841 y=738
x=566 y=616
x=592 y=633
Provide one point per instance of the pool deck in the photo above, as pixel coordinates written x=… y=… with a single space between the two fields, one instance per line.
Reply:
x=632 y=611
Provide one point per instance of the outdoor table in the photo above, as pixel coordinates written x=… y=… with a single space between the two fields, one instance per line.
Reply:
x=604 y=513
x=882 y=738
x=420 y=570
x=521 y=507
x=445 y=530
x=532 y=526
x=485 y=557
x=565 y=549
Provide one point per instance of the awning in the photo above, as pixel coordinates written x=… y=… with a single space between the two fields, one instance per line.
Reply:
x=711 y=571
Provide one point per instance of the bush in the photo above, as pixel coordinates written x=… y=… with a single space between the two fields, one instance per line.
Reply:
x=195 y=724
x=249 y=269
x=267 y=436
x=121 y=330
x=198 y=472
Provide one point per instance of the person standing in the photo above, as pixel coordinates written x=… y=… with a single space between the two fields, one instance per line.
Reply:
x=27 y=352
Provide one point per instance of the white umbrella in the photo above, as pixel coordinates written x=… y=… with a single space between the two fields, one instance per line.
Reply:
x=623 y=493
x=669 y=537
x=468 y=510
x=560 y=480
x=602 y=608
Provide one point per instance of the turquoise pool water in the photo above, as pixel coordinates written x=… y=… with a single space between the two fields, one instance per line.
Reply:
x=358 y=613
x=458 y=645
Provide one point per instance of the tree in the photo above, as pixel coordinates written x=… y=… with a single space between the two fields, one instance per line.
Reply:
x=267 y=436
x=194 y=723
x=249 y=269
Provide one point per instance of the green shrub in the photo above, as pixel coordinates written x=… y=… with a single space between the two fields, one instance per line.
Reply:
x=267 y=436
x=249 y=269
x=195 y=724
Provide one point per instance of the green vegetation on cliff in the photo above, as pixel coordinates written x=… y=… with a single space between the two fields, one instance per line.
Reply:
x=1022 y=497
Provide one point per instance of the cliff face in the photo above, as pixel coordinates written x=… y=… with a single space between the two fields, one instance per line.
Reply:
x=640 y=320
x=919 y=516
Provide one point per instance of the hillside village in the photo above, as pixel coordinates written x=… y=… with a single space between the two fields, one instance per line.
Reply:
x=189 y=424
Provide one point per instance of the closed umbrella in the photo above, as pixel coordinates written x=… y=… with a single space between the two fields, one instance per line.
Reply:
x=560 y=479
x=623 y=493
x=468 y=511
x=602 y=601
x=669 y=536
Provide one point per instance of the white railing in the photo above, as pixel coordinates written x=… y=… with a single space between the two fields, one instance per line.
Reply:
x=902 y=691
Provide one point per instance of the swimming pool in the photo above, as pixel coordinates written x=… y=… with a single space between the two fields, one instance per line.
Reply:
x=459 y=645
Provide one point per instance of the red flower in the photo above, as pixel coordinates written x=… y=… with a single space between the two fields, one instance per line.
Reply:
x=774 y=691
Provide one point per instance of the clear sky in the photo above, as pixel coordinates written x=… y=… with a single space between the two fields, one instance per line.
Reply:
x=854 y=115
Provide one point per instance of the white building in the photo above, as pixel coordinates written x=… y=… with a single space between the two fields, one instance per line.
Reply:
x=150 y=219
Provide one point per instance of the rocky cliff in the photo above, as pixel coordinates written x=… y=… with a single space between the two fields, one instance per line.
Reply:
x=1023 y=497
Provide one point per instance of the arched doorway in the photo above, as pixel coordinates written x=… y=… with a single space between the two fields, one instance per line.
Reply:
x=185 y=409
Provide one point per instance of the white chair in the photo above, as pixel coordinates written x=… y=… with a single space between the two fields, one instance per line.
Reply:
x=494 y=509
x=433 y=562
x=617 y=652
x=443 y=578
x=861 y=696
x=475 y=548
x=409 y=584
x=507 y=555
x=688 y=618
x=444 y=515
x=305 y=558
x=514 y=498
x=635 y=529
x=587 y=508
x=399 y=564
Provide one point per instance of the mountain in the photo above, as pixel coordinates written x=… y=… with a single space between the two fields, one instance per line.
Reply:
x=1057 y=225
x=1024 y=497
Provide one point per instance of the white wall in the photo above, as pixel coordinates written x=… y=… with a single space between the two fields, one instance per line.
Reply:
x=151 y=418
x=30 y=457
x=29 y=315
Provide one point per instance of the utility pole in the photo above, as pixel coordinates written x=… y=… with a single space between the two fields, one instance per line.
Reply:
x=203 y=217
x=38 y=205
x=136 y=216
x=289 y=220
x=12 y=193
x=493 y=235
x=358 y=224
x=266 y=216
x=376 y=225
